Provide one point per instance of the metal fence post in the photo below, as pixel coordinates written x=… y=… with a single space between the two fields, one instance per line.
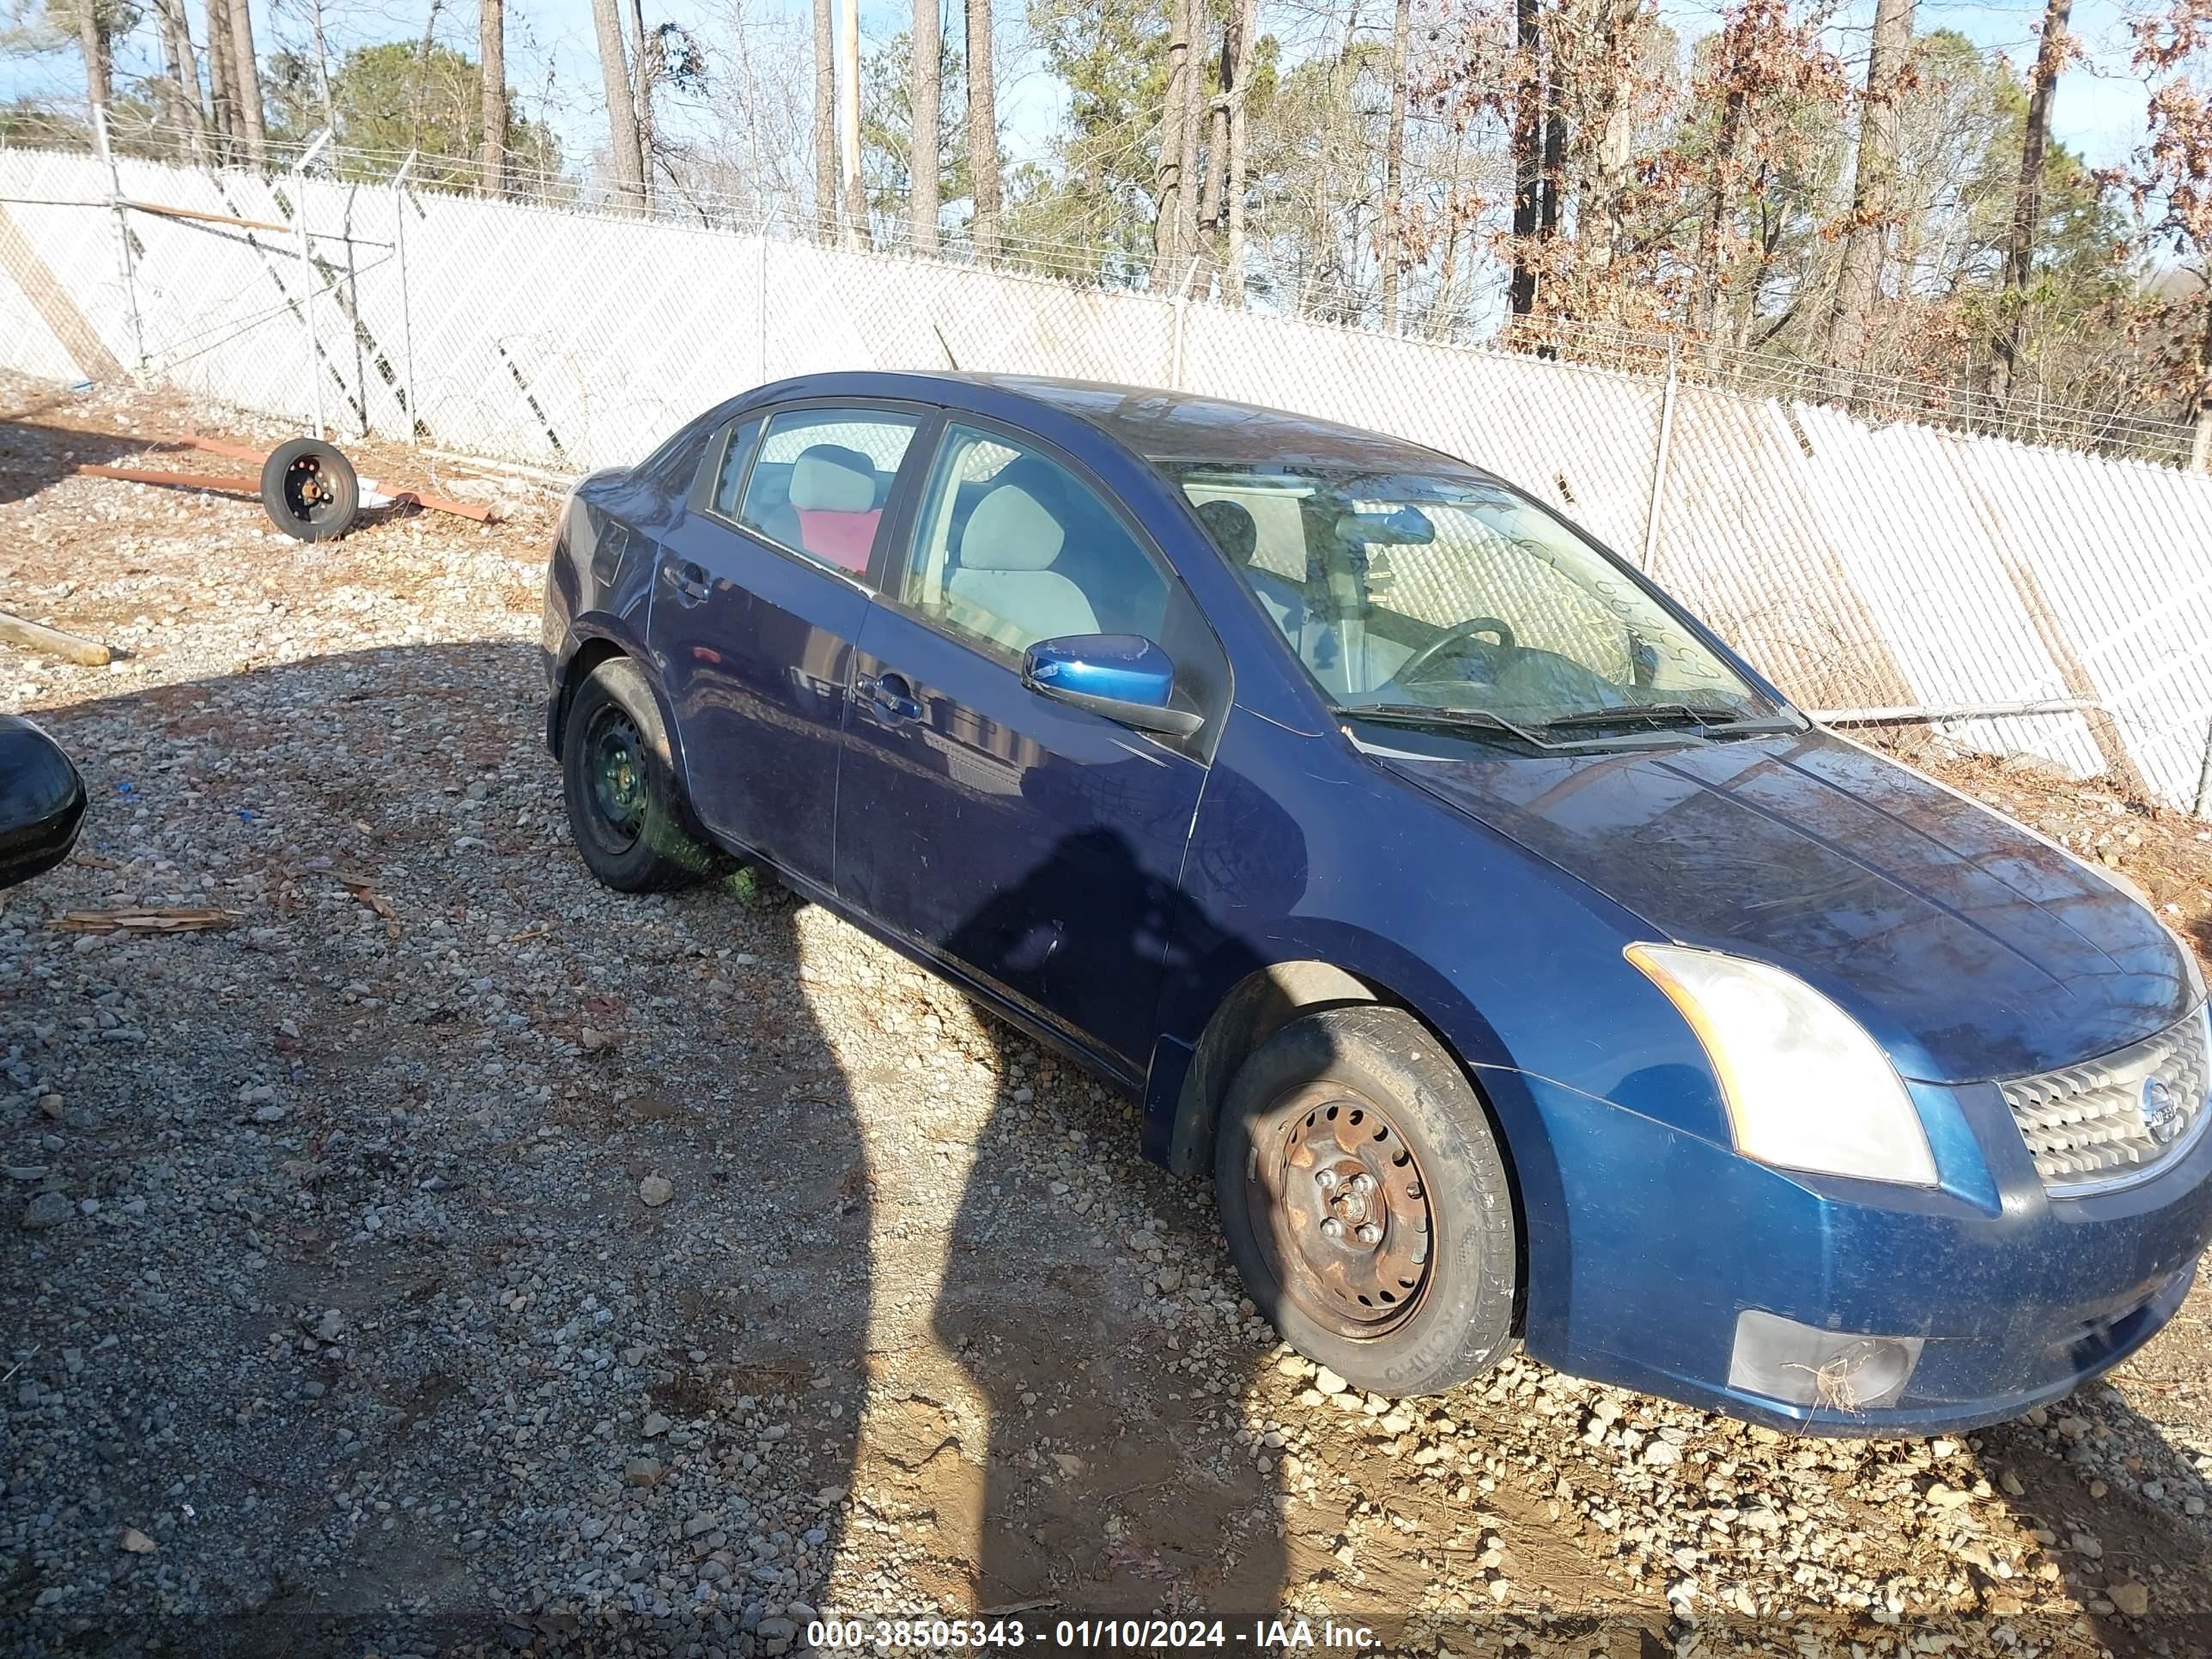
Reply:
x=414 y=421
x=760 y=305
x=1659 y=463
x=121 y=235
x=307 y=274
x=2203 y=809
x=1182 y=312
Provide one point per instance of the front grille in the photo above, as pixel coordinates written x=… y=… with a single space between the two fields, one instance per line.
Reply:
x=2106 y=1119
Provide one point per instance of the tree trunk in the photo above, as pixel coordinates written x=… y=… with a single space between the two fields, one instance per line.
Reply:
x=825 y=123
x=1873 y=185
x=1245 y=22
x=1211 y=183
x=1168 y=216
x=322 y=65
x=181 y=85
x=98 y=89
x=1393 y=163
x=491 y=53
x=2028 y=198
x=1194 y=122
x=924 y=88
x=849 y=122
x=645 y=73
x=248 y=84
x=2200 y=449
x=1712 y=252
x=625 y=159
x=223 y=103
x=982 y=131
x=1527 y=154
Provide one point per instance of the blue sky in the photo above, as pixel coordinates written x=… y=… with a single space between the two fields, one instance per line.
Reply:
x=2100 y=108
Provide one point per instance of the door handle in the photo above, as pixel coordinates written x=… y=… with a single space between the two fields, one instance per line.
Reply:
x=892 y=698
x=689 y=580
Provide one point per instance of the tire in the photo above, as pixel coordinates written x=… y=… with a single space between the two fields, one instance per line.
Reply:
x=1365 y=1091
x=626 y=810
x=309 y=490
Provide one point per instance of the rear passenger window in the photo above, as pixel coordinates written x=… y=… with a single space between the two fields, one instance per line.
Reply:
x=820 y=482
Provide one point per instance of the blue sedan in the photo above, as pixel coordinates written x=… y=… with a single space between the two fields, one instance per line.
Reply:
x=1519 y=964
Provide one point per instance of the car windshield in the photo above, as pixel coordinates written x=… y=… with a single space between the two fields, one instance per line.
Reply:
x=1411 y=594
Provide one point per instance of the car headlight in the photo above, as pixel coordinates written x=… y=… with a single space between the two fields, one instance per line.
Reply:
x=1805 y=1087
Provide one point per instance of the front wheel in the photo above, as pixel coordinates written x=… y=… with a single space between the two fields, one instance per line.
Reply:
x=1366 y=1204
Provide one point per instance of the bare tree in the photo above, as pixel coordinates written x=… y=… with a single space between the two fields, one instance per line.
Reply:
x=2027 y=196
x=180 y=84
x=1528 y=143
x=1170 y=216
x=92 y=40
x=223 y=72
x=1873 y=185
x=923 y=94
x=825 y=130
x=1236 y=71
x=848 y=120
x=252 y=121
x=982 y=132
x=645 y=73
x=491 y=56
x=1393 y=250
x=322 y=65
x=625 y=159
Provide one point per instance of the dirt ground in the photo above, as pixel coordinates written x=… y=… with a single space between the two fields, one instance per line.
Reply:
x=452 y=1257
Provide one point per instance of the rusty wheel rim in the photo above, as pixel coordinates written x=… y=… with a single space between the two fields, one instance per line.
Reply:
x=1348 y=1226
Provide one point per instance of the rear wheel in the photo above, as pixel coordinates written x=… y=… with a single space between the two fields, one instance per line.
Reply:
x=1366 y=1203
x=626 y=810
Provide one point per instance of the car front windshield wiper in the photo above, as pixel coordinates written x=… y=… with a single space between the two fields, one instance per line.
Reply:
x=1421 y=714
x=1681 y=714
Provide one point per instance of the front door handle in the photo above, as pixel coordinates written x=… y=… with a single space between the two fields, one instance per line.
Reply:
x=891 y=695
x=689 y=580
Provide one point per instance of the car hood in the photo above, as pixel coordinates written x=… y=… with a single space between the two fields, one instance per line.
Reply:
x=1947 y=929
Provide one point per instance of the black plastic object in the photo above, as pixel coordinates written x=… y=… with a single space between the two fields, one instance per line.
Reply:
x=309 y=490
x=41 y=801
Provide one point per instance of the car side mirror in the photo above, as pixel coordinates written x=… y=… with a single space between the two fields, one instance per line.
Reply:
x=41 y=801
x=1122 y=676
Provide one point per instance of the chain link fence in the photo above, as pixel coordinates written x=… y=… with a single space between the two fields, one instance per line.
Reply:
x=1865 y=563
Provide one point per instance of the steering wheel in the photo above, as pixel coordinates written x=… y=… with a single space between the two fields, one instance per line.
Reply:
x=1410 y=670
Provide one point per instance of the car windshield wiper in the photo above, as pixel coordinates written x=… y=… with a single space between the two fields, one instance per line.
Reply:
x=1421 y=714
x=1665 y=714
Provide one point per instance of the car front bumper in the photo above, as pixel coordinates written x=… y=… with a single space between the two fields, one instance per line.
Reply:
x=2007 y=1301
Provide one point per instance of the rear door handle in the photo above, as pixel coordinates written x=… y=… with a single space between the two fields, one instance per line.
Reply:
x=689 y=580
x=892 y=698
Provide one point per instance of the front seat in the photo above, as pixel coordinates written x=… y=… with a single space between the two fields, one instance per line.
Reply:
x=1004 y=588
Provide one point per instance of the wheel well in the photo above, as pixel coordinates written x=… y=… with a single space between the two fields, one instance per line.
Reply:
x=589 y=655
x=1261 y=1004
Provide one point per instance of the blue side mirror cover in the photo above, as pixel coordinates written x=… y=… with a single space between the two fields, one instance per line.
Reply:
x=1124 y=677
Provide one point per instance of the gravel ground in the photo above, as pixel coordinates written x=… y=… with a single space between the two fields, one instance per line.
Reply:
x=452 y=1257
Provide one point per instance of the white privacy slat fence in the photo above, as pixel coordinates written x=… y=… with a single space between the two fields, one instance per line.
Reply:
x=1858 y=565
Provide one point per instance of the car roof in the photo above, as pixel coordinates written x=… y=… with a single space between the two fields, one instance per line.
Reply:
x=1171 y=427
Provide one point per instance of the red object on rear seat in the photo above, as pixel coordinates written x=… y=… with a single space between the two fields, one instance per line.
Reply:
x=843 y=538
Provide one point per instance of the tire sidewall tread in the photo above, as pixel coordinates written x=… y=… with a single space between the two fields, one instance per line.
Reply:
x=671 y=850
x=1464 y=1324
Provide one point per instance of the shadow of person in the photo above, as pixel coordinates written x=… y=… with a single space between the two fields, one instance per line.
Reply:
x=387 y=1149
x=1088 y=1297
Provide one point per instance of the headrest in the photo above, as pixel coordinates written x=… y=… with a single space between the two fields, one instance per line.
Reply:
x=830 y=478
x=1008 y=531
x=1232 y=528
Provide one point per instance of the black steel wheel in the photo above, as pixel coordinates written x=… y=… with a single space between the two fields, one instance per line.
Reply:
x=309 y=490
x=626 y=809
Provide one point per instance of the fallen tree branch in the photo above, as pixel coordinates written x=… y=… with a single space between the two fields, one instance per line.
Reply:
x=53 y=642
